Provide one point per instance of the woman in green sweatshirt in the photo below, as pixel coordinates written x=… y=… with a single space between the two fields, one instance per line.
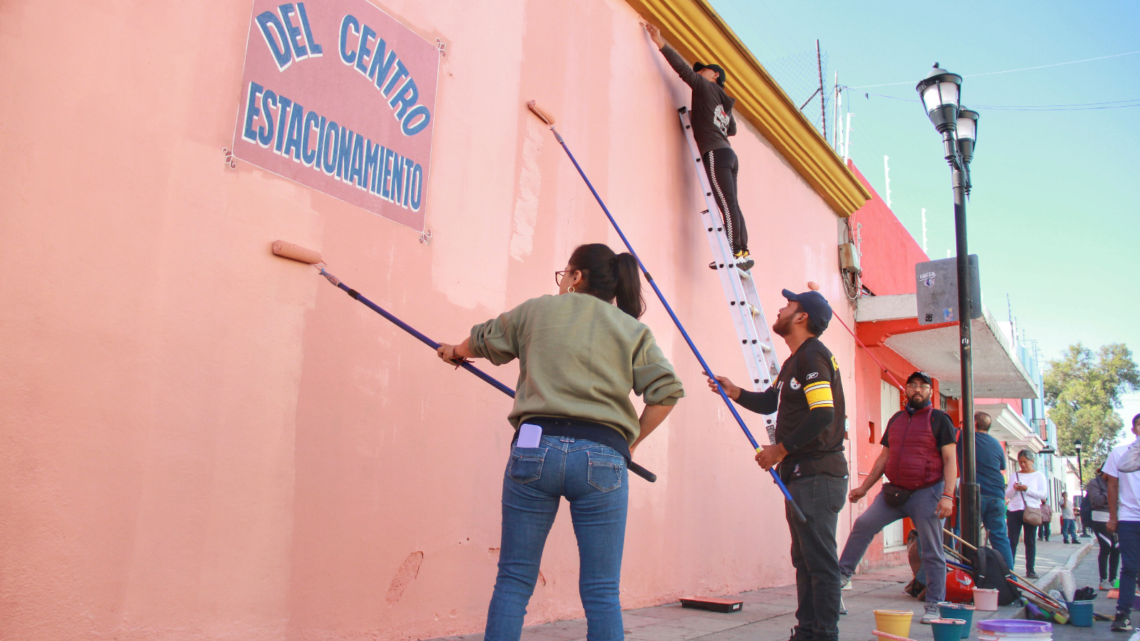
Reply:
x=579 y=358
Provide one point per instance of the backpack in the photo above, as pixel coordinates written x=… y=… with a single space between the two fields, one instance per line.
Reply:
x=990 y=572
x=1086 y=512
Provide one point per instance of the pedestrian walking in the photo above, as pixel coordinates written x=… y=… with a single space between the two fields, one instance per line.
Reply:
x=1046 y=528
x=713 y=123
x=1108 y=561
x=1086 y=512
x=989 y=463
x=920 y=463
x=1068 y=520
x=809 y=452
x=1124 y=520
x=579 y=358
x=1027 y=492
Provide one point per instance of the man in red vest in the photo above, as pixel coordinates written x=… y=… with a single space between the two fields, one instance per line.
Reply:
x=921 y=465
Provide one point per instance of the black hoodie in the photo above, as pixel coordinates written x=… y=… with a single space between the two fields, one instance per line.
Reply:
x=712 y=116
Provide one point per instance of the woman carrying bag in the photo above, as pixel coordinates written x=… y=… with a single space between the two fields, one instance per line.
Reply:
x=1026 y=492
x=579 y=358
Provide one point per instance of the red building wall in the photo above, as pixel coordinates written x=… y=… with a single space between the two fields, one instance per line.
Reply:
x=888 y=256
x=889 y=253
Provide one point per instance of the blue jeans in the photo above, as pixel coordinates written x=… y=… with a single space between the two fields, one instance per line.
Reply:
x=1069 y=529
x=922 y=508
x=593 y=478
x=1128 y=534
x=993 y=518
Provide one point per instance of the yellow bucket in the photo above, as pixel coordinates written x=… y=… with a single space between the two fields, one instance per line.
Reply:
x=896 y=622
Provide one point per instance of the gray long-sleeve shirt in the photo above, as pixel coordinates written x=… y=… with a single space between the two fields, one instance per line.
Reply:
x=712 y=116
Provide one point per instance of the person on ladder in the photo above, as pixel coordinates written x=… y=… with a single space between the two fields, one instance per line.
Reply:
x=713 y=123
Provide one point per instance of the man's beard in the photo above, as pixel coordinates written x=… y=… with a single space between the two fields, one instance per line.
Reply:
x=916 y=399
x=782 y=327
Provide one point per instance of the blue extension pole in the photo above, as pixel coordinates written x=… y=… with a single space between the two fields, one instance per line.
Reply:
x=676 y=321
x=633 y=467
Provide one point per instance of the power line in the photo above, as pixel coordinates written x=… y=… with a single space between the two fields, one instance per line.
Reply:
x=1082 y=106
x=993 y=73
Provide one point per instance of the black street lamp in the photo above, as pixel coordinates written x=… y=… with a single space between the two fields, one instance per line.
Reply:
x=1080 y=480
x=1080 y=470
x=941 y=98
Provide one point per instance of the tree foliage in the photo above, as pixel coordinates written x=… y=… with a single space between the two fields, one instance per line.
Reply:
x=1082 y=392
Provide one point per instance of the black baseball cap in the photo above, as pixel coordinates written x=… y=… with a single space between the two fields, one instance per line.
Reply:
x=697 y=66
x=922 y=376
x=814 y=304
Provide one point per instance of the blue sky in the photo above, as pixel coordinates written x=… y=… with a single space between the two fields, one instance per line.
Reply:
x=1053 y=215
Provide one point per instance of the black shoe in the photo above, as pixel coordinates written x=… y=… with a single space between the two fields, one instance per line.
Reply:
x=1121 y=624
x=1031 y=575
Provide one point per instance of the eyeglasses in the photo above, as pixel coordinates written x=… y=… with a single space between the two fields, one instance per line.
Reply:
x=916 y=385
x=558 y=276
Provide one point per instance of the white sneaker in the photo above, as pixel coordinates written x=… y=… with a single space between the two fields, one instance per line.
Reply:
x=931 y=614
x=1106 y=585
x=744 y=261
x=845 y=582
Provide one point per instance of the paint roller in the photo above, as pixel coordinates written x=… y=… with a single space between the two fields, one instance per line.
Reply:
x=548 y=119
x=310 y=257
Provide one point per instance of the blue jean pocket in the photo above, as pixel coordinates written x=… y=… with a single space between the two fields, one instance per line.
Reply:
x=526 y=464
x=605 y=471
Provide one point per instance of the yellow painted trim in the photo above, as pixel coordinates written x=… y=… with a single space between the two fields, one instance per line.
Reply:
x=694 y=29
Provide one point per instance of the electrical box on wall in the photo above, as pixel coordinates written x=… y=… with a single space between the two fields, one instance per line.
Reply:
x=849 y=259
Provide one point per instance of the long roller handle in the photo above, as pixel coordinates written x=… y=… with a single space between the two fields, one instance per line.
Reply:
x=549 y=120
x=633 y=467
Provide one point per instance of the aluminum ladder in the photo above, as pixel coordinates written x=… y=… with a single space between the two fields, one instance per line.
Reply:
x=739 y=286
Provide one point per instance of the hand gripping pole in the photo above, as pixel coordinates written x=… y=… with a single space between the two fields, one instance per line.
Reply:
x=549 y=120
x=303 y=255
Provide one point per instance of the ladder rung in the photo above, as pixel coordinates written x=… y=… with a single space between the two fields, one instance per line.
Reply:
x=740 y=290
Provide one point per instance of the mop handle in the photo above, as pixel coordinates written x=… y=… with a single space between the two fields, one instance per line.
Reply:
x=633 y=467
x=799 y=515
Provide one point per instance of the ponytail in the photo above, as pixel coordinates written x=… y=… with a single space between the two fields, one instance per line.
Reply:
x=628 y=290
x=610 y=276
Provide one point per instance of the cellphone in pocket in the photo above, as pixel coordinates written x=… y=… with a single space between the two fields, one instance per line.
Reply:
x=529 y=436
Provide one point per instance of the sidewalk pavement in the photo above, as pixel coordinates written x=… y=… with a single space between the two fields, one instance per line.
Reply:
x=1085 y=573
x=769 y=614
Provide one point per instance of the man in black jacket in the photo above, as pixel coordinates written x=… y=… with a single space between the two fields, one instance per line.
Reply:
x=713 y=123
x=809 y=450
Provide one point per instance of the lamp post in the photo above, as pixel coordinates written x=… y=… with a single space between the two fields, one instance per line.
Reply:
x=959 y=127
x=1080 y=479
x=1080 y=470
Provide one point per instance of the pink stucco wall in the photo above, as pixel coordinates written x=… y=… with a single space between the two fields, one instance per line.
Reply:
x=204 y=441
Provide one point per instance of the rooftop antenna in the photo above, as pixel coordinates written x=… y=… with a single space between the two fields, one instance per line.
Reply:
x=822 y=102
x=838 y=100
x=924 y=231
x=887 y=172
x=847 y=139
